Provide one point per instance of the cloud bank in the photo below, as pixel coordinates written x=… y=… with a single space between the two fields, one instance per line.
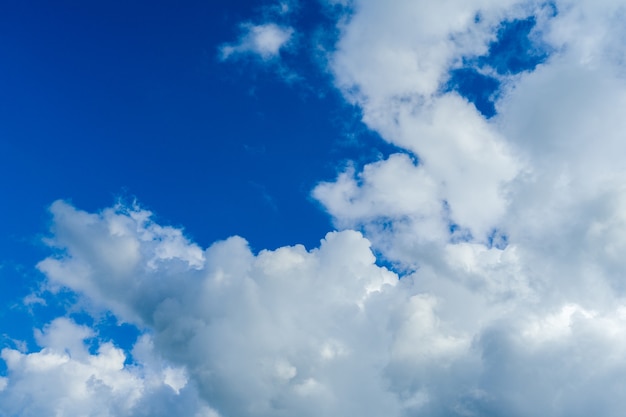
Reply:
x=508 y=232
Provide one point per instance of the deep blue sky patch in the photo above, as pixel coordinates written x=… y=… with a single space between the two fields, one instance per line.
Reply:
x=513 y=52
x=476 y=87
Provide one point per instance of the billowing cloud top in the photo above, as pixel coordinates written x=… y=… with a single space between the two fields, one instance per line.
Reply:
x=507 y=229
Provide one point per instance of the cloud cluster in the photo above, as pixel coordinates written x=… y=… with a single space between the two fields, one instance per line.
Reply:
x=544 y=174
x=509 y=233
x=281 y=332
x=65 y=378
x=520 y=217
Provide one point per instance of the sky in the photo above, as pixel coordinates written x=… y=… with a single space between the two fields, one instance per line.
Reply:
x=335 y=207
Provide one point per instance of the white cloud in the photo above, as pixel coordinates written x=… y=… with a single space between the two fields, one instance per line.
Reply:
x=545 y=175
x=392 y=60
x=399 y=50
x=327 y=331
x=65 y=379
x=542 y=167
x=264 y=40
x=257 y=333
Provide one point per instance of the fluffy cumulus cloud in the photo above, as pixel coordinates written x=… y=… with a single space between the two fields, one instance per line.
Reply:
x=274 y=333
x=507 y=229
x=65 y=378
x=519 y=220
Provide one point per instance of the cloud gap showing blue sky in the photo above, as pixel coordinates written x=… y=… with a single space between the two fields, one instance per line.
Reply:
x=512 y=52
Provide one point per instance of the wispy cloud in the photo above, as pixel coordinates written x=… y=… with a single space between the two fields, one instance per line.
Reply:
x=264 y=41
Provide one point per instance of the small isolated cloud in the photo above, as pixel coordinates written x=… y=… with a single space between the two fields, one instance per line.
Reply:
x=264 y=41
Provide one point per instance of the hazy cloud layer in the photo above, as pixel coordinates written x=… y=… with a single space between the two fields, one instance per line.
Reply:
x=510 y=230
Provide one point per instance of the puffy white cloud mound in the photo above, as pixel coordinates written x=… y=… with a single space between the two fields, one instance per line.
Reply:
x=311 y=332
x=65 y=379
x=536 y=175
x=280 y=332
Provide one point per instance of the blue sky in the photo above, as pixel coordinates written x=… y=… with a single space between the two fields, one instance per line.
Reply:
x=238 y=208
x=109 y=100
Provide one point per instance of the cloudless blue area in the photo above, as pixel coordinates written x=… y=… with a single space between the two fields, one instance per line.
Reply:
x=511 y=53
x=514 y=51
x=102 y=100
x=476 y=87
